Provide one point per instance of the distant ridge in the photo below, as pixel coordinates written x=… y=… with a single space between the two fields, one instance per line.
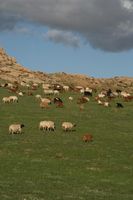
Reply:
x=12 y=71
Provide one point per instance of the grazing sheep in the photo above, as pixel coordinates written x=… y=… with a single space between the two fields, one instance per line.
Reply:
x=44 y=104
x=13 y=99
x=46 y=86
x=87 y=138
x=106 y=104
x=87 y=93
x=38 y=96
x=47 y=125
x=100 y=102
x=45 y=100
x=57 y=99
x=119 y=105
x=15 y=128
x=70 y=98
x=48 y=92
x=59 y=104
x=20 y=94
x=68 y=126
x=6 y=100
x=101 y=95
x=66 y=88
x=82 y=100
x=56 y=92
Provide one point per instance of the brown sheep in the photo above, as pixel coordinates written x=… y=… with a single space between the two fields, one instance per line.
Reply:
x=44 y=105
x=87 y=138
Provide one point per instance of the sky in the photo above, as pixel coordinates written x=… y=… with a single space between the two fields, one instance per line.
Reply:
x=91 y=37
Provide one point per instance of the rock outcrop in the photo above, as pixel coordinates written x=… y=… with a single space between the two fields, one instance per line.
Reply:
x=12 y=71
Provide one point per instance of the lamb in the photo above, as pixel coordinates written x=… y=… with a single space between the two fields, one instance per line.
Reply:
x=47 y=125
x=15 y=128
x=68 y=126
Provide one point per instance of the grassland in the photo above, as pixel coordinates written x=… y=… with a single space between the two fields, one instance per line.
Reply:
x=59 y=166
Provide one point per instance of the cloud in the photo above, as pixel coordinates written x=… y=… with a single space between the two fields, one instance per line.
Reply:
x=105 y=24
x=65 y=37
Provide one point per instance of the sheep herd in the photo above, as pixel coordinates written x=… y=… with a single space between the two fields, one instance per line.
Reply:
x=103 y=98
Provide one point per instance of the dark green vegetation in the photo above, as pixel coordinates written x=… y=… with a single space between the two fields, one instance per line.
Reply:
x=39 y=165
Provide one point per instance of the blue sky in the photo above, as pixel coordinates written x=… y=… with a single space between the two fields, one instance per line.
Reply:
x=55 y=48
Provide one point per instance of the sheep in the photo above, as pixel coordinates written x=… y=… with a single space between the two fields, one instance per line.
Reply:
x=45 y=100
x=88 y=89
x=44 y=104
x=119 y=105
x=87 y=93
x=106 y=104
x=15 y=128
x=70 y=98
x=101 y=95
x=48 y=92
x=46 y=86
x=125 y=94
x=56 y=92
x=82 y=91
x=57 y=99
x=47 y=125
x=38 y=96
x=82 y=100
x=87 y=138
x=100 y=102
x=66 y=88
x=20 y=94
x=13 y=98
x=6 y=100
x=59 y=104
x=68 y=126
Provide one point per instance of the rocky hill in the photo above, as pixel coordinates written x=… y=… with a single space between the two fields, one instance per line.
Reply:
x=12 y=71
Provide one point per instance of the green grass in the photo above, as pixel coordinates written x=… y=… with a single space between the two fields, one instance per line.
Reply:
x=59 y=166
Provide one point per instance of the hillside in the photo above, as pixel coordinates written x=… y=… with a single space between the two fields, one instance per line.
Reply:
x=12 y=71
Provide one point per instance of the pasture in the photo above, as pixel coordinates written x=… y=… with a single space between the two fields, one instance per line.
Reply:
x=58 y=165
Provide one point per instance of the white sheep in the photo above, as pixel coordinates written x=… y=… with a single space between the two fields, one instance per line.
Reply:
x=106 y=104
x=20 y=94
x=66 y=87
x=101 y=95
x=46 y=86
x=45 y=100
x=70 y=98
x=48 y=92
x=56 y=92
x=47 y=125
x=100 y=102
x=38 y=96
x=13 y=98
x=68 y=126
x=15 y=128
x=6 y=100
